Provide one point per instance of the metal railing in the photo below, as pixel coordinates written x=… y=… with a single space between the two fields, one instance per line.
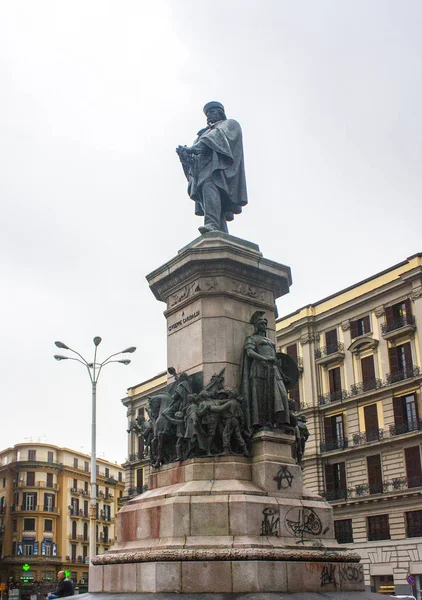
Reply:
x=339 y=444
x=402 y=428
x=327 y=350
x=365 y=386
x=35 y=508
x=402 y=374
x=136 y=456
x=135 y=491
x=366 y=437
x=365 y=489
x=332 y=397
x=397 y=323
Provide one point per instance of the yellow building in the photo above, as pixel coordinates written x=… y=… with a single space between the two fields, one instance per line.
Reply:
x=359 y=352
x=359 y=355
x=44 y=513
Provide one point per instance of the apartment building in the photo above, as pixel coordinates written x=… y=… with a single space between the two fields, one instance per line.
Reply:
x=44 y=513
x=359 y=354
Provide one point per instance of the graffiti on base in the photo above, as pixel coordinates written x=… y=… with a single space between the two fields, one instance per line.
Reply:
x=328 y=575
x=303 y=520
x=353 y=573
x=271 y=522
x=284 y=478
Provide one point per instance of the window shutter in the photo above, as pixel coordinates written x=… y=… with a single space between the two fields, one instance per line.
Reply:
x=371 y=418
x=399 y=411
x=394 y=362
x=366 y=324
x=292 y=350
x=342 y=471
x=413 y=466
x=408 y=356
x=328 y=429
x=408 y=305
x=354 y=331
x=329 y=478
x=389 y=314
x=334 y=379
x=331 y=338
x=374 y=473
x=368 y=369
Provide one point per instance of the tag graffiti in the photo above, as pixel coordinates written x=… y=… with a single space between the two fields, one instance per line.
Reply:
x=271 y=522
x=284 y=478
x=351 y=573
x=328 y=575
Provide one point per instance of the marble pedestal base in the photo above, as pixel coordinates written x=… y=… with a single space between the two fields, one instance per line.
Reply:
x=228 y=524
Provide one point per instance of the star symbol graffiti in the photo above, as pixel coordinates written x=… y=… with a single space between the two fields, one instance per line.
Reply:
x=284 y=478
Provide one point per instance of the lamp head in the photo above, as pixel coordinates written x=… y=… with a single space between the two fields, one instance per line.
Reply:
x=60 y=357
x=124 y=362
x=131 y=349
x=61 y=345
x=97 y=340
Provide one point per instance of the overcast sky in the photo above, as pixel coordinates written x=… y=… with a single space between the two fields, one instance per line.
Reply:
x=94 y=98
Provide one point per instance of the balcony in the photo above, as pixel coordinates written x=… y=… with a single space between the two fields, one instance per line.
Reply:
x=136 y=456
x=403 y=428
x=38 y=508
x=367 y=437
x=332 y=397
x=402 y=374
x=105 y=516
x=44 y=484
x=384 y=487
x=135 y=491
x=398 y=326
x=75 y=537
x=73 y=512
x=328 y=354
x=340 y=444
x=365 y=386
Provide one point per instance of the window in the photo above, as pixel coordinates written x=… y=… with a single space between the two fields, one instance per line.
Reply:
x=406 y=416
x=4 y=481
x=368 y=373
x=47 y=548
x=107 y=491
x=378 y=528
x=360 y=327
x=86 y=512
x=141 y=412
x=331 y=341
x=49 y=502
x=294 y=392
x=29 y=501
x=32 y=454
x=48 y=525
x=86 y=466
x=48 y=575
x=14 y=525
x=398 y=315
x=28 y=547
x=370 y=413
x=335 y=481
x=374 y=474
x=30 y=478
x=13 y=548
x=107 y=472
x=412 y=457
x=401 y=364
x=85 y=532
x=73 y=551
x=334 y=433
x=75 y=506
x=29 y=524
x=344 y=531
x=84 y=552
x=75 y=463
x=334 y=382
x=74 y=529
x=50 y=457
x=49 y=481
x=414 y=523
x=139 y=480
x=105 y=535
x=120 y=476
x=75 y=484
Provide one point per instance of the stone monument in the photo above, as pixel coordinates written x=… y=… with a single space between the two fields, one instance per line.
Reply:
x=226 y=510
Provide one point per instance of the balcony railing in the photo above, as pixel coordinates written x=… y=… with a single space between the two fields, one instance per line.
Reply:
x=365 y=386
x=136 y=456
x=73 y=512
x=51 y=486
x=366 y=489
x=77 y=537
x=327 y=350
x=340 y=444
x=366 y=437
x=402 y=374
x=397 y=323
x=2 y=509
x=37 y=508
x=332 y=397
x=405 y=428
x=135 y=491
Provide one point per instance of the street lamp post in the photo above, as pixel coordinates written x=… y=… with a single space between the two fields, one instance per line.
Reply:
x=94 y=369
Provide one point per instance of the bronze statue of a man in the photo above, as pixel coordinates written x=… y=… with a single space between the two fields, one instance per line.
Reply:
x=215 y=171
x=264 y=380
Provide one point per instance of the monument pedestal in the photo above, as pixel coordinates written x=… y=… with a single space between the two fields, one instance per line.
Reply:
x=230 y=523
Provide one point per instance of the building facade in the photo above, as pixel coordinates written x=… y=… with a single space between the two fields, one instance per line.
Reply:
x=359 y=358
x=359 y=353
x=44 y=513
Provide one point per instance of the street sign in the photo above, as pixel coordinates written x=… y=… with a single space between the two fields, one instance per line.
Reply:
x=411 y=579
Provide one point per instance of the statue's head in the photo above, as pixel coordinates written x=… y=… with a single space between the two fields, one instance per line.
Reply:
x=259 y=322
x=183 y=377
x=178 y=415
x=215 y=112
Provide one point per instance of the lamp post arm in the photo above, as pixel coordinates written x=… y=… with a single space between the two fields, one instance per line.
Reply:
x=85 y=362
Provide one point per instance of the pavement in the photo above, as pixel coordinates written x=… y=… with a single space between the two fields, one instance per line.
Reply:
x=251 y=596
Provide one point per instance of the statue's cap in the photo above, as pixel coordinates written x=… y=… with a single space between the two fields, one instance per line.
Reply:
x=256 y=316
x=213 y=104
